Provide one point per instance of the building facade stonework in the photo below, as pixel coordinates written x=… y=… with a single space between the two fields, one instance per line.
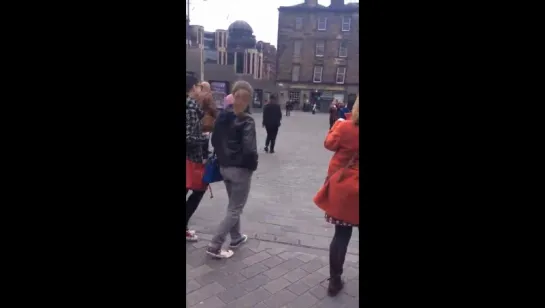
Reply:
x=318 y=52
x=223 y=57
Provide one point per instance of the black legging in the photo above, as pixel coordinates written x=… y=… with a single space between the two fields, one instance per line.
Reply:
x=337 y=250
x=192 y=203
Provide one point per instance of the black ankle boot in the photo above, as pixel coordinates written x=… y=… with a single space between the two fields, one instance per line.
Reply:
x=335 y=286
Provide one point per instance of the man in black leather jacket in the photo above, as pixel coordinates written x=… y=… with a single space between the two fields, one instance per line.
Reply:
x=234 y=141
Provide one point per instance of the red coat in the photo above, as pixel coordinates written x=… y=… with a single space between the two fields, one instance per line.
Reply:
x=339 y=197
x=344 y=140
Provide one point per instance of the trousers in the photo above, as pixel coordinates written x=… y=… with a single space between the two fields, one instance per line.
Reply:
x=272 y=131
x=237 y=183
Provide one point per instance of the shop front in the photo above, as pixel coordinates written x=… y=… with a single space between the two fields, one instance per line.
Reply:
x=220 y=89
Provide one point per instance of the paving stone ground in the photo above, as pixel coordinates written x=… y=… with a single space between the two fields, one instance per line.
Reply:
x=280 y=207
x=265 y=274
x=285 y=262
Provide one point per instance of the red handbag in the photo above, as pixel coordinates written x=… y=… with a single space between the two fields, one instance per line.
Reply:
x=194 y=173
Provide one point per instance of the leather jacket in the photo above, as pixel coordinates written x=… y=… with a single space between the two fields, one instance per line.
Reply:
x=234 y=140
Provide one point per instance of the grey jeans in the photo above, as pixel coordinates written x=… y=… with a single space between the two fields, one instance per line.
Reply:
x=237 y=182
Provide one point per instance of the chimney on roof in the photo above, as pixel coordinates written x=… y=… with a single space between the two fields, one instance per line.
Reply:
x=311 y=2
x=337 y=3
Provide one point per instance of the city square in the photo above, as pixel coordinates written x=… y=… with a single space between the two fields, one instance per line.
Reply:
x=297 y=54
x=285 y=261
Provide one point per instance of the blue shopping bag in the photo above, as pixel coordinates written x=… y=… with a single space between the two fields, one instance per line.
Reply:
x=212 y=171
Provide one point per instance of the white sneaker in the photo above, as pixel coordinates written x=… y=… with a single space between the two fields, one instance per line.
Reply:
x=190 y=236
x=220 y=253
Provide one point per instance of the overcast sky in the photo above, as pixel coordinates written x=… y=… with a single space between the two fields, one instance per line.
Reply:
x=261 y=15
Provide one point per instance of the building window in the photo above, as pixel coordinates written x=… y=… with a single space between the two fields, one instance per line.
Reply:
x=297 y=45
x=318 y=73
x=210 y=56
x=295 y=72
x=298 y=23
x=259 y=74
x=346 y=24
x=322 y=23
x=294 y=96
x=343 y=49
x=249 y=66
x=320 y=48
x=341 y=73
x=239 y=69
x=230 y=58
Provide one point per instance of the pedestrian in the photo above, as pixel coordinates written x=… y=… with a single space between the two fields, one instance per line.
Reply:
x=234 y=141
x=342 y=110
x=288 y=107
x=205 y=87
x=341 y=205
x=206 y=103
x=333 y=114
x=228 y=102
x=196 y=147
x=272 y=115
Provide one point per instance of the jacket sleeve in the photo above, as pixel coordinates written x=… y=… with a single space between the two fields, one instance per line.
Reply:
x=249 y=144
x=279 y=112
x=333 y=138
x=192 y=138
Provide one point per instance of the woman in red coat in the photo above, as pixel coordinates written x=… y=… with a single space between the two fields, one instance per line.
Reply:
x=343 y=139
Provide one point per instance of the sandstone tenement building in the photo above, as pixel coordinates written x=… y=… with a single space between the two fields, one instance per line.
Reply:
x=318 y=52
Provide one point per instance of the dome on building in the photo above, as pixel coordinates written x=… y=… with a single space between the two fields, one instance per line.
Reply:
x=240 y=25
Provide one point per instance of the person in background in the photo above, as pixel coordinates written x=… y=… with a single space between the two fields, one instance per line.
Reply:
x=343 y=139
x=272 y=115
x=206 y=103
x=205 y=87
x=342 y=110
x=196 y=145
x=289 y=104
x=333 y=114
x=228 y=102
x=234 y=140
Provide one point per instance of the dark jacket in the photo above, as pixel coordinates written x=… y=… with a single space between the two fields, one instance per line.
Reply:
x=272 y=115
x=234 y=140
x=333 y=114
x=196 y=143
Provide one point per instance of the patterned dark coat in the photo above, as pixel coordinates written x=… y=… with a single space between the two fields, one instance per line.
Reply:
x=196 y=142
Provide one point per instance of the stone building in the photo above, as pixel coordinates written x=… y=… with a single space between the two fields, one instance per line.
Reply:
x=318 y=52
x=224 y=56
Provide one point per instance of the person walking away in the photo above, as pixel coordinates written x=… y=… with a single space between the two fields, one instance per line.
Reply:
x=343 y=139
x=234 y=140
x=333 y=115
x=196 y=149
x=272 y=115
x=314 y=108
x=288 y=108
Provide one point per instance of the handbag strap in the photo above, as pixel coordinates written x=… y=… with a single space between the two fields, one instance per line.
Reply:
x=352 y=160
x=348 y=165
